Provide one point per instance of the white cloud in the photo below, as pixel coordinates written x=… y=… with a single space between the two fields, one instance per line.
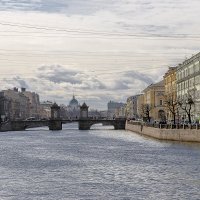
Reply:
x=100 y=47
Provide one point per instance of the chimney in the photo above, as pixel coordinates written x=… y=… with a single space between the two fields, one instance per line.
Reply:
x=15 y=89
x=23 y=89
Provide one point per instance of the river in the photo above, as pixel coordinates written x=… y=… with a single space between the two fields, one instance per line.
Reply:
x=98 y=164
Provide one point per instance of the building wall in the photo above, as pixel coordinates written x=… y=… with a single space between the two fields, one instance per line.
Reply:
x=170 y=89
x=45 y=109
x=140 y=102
x=154 y=96
x=112 y=106
x=188 y=81
x=14 y=105
x=34 y=103
x=131 y=106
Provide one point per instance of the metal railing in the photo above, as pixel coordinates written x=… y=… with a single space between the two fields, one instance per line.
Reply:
x=166 y=126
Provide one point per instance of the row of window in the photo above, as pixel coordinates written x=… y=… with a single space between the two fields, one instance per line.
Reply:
x=188 y=71
x=189 y=83
x=195 y=94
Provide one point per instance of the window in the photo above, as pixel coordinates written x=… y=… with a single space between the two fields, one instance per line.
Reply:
x=182 y=74
x=186 y=84
x=196 y=68
x=196 y=80
x=161 y=102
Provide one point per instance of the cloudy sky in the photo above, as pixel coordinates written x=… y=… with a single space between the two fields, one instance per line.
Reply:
x=100 y=50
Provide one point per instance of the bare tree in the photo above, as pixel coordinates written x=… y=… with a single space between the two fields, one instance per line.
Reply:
x=171 y=104
x=145 y=111
x=186 y=105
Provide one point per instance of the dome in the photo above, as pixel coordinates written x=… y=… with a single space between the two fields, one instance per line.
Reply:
x=73 y=101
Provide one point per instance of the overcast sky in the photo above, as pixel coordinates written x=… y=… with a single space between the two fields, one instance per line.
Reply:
x=100 y=50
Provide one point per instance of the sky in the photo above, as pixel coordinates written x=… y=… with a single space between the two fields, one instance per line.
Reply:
x=98 y=50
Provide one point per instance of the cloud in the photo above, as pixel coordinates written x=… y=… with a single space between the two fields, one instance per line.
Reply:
x=139 y=76
x=53 y=6
x=58 y=74
x=15 y=81
x=104 y=49
x=68 y=78
x=56 y=82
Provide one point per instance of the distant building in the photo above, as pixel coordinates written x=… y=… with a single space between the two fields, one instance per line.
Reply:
x=131 y=107
x=103 y=114
x=34 y=103
x=73 y=109
x=63 y=111
x=45 y=109
x=95 y=114
x=14 y=105
x=121 y=111
x=112 y=107
x=140 y=102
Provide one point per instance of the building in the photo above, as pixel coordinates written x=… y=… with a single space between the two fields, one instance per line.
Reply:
x=103 y=114
x=14 y=105
x=94 y=114
x=154 y=98
x=131 y=107
x=140 y=102
x=34 y=103
x=45 y=109
x=170 y=93
x=112 y=106
x=121 y=112
x=188 y=83
x=73 y=109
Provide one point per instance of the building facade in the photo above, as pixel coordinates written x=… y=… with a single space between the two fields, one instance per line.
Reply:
x=170 y=92
x=14 y=105
x=188 y=83
x=73 y=109
x=131 y=107
x=112 y=107
x=140 y=102
x=154 y=98
x=34 y=103
x=45 y=109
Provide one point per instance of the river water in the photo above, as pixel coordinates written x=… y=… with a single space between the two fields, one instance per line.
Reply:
x=96 y=164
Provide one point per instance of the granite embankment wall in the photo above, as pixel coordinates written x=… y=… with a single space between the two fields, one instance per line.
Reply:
x=184 y=135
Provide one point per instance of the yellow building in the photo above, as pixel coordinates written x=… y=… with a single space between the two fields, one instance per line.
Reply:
x=170 y=92
x=154 y=97
x=140 y=102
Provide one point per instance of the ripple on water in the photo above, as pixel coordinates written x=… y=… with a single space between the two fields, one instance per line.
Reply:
x=96 y=164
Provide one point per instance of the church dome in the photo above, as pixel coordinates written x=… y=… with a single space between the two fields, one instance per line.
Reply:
x=73 y=101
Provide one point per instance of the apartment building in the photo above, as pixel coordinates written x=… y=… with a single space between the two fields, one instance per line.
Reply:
x=170 y=93
x=188 y=83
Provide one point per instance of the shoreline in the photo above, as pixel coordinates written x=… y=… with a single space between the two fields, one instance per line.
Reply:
x=182 y=135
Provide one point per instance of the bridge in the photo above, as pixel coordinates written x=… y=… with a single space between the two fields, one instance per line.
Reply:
x=83 y=124
x=55 y=123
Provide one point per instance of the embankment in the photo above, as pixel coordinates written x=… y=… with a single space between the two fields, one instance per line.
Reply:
x=184 y=135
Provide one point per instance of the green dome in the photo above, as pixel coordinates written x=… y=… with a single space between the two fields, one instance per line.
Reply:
x=73 y=101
